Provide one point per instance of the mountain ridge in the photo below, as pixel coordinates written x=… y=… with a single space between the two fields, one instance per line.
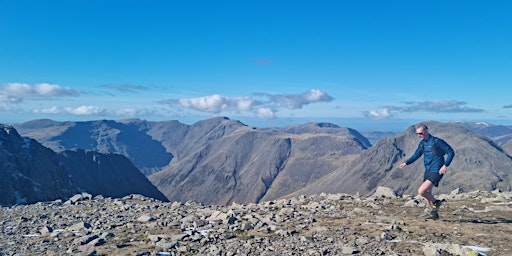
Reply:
x=219 y=160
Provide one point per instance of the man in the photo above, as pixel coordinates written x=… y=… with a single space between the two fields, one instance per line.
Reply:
x=433 y=149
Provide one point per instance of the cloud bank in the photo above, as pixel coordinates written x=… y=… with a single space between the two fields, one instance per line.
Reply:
x=263 y=105
x=439 y=106
x=85 y=110
x=17 y=92
x=125 y=87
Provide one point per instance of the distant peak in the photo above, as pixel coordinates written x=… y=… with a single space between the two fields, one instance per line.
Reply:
x=327 y=125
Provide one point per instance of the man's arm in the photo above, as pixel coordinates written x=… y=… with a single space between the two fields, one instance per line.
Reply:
x=414 y=157
x=448 y=150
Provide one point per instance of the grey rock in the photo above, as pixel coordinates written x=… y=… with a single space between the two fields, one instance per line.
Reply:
x=384 y=192
x=80 y=226
x=145 y=218
x=322 y=224
x=437 y=249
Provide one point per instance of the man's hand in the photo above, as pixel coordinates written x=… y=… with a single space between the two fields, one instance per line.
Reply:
x=402 y=165
x=443 y=170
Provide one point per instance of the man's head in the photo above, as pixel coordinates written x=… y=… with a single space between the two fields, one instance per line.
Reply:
x=422 y=131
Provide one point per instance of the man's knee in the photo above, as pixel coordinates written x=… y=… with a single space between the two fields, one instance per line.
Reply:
x=425 y=188
x=422 y=191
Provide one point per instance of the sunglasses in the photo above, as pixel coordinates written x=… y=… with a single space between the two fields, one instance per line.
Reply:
x=420 y=133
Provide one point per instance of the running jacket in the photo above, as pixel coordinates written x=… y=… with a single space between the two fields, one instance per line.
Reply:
x=433 y=150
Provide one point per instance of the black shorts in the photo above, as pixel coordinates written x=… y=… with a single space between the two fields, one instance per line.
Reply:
x=435 y=177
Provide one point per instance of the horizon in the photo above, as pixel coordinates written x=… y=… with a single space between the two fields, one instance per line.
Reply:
x=372 y=63
x=358 y=124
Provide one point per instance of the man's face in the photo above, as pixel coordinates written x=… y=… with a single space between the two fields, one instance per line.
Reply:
x=422 y=133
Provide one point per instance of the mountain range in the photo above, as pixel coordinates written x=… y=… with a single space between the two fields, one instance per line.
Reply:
x=222 y=161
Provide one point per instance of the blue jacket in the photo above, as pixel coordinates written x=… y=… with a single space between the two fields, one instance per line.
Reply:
x=433 y=150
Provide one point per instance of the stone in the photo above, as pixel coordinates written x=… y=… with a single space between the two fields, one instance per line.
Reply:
x=384 y=192
x=320 y=225
x=80 y=226
x=145 y=218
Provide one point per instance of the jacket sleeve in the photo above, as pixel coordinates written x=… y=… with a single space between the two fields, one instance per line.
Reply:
x=448 y=150
x=415 y=156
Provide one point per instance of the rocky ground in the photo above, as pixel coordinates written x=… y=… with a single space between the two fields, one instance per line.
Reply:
x=475 y=223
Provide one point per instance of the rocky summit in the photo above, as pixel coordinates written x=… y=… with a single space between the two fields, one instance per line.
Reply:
x=472 y=223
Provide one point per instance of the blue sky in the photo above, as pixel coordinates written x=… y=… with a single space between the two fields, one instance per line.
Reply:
x=368 y=65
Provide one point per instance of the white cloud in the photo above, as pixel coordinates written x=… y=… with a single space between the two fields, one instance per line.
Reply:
x=86 y=110
x=265 y=113
x=16 y=88
x=17 y=92
x=296 y=101
x=81 y=110
x=216 y=103
x=263 y=105
x=9 y=98
x=211 y=104
x=53 y=90
x=438 y=106
x=378 y=114
x=243 y=103
x=316 y=96
x=132 y=112
x=51 y=110
x=93 y=110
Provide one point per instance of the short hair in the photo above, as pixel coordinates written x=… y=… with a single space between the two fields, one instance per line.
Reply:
x=422 y=125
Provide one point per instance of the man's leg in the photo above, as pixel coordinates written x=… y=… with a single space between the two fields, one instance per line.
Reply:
x=425 y=190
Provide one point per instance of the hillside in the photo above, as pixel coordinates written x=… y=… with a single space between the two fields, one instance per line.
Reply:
x=126 y=138
x=33 y=173
x=479 y=164
x=106 y=174
x=500 y=134
x=30 y=172
x=251 y=165
x=507 y=147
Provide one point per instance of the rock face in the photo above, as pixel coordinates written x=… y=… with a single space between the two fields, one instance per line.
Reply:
x=29 y=172
x=474 y=223
x=32 y=173
x=109 y=136
x=110 y=175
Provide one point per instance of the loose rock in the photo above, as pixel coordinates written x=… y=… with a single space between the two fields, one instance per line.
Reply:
x=326 y=224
